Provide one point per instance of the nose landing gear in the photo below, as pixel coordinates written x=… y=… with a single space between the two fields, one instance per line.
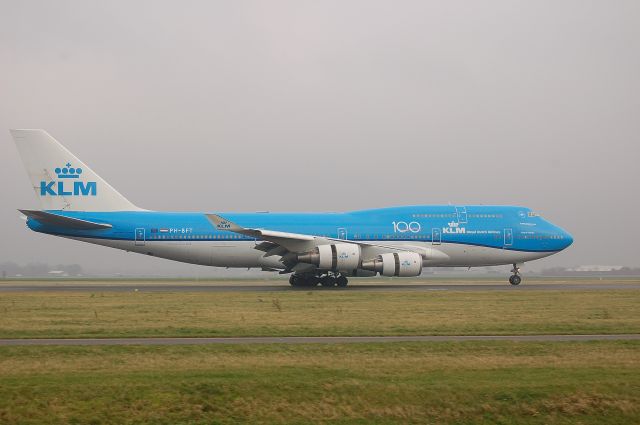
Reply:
x=515 y=278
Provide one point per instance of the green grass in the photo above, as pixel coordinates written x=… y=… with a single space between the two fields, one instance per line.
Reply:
x=449 y=383
x=316 y=313
x=445 y=383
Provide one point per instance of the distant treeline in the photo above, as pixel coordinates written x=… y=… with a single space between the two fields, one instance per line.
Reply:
x=10 y=269
x=561 y=271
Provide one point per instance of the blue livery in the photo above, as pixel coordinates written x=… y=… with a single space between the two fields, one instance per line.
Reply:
x=314 y=248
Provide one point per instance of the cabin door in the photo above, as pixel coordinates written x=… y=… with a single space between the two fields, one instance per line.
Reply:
x=342 y=233
x=462 y=214
x=508 y=237
x=140 y=236
x=436 y=236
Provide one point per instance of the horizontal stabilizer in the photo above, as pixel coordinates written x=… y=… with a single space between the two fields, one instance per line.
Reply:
x=62 y=221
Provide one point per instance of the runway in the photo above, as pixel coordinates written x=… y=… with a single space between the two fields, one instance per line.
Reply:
x=314 y=339
x=271 y=287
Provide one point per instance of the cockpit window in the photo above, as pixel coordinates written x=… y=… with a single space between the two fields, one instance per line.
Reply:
x=533 y=214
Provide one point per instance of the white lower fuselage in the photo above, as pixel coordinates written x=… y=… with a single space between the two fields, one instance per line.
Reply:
x=242 y=254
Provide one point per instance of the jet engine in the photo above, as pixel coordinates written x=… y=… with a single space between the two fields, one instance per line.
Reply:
x=403 y=264
x=337 y=257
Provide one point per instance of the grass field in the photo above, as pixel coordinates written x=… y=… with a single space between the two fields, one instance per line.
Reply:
x=469 y=382
x=443 y=383
x=316 y=313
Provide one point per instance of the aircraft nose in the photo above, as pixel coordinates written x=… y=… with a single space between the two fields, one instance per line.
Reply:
x=567 y=238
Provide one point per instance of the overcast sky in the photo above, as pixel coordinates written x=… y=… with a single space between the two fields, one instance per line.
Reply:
x=331 y=105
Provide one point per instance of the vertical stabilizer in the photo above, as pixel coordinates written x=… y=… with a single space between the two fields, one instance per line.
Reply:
x=60 y=180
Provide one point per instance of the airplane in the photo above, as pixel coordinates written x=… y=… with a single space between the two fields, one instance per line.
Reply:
x=314 y=248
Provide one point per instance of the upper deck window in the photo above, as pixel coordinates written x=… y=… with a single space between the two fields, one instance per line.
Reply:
x=485 y=215
x=433 y=215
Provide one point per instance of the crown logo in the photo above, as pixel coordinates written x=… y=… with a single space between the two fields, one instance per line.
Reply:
x=453 y=224
x=68 y=172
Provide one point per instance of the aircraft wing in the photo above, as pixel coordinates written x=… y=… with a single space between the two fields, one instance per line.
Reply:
x=301 y=243
x=292 y=242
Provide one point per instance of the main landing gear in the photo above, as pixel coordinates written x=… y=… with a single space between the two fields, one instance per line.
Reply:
x=328 y=280
x=515 y=278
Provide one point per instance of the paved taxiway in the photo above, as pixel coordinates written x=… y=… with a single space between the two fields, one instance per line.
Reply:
x=313 y=339
x=270 y=287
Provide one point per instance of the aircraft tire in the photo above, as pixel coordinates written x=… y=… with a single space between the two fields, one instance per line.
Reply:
x=311 y=281
x=328 y=282
x=342 y=281
x=515 y=280
x=294 y=280
x=303 y=280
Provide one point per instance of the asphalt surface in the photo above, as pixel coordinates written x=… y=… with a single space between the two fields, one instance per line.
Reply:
x=270 y=287
x=314 y=339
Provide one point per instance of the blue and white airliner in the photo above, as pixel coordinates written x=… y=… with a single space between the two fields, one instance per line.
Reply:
x=314 y=248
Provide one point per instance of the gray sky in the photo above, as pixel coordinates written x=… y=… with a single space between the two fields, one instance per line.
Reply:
x=332 y=105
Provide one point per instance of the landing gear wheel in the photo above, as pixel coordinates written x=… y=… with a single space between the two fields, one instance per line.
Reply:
x=310 y=281
x=515 y=280
x=342 y=281
x=297 y=280
x=303 y=280
x=294 y=280
x=328 y=282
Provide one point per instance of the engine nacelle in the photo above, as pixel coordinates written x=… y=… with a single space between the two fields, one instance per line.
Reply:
x=336 y=257
x=403 y=264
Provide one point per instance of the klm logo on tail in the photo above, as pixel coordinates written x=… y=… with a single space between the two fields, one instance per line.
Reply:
x=68 y=184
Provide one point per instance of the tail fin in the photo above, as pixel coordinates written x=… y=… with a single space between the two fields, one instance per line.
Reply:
x=60 y=180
